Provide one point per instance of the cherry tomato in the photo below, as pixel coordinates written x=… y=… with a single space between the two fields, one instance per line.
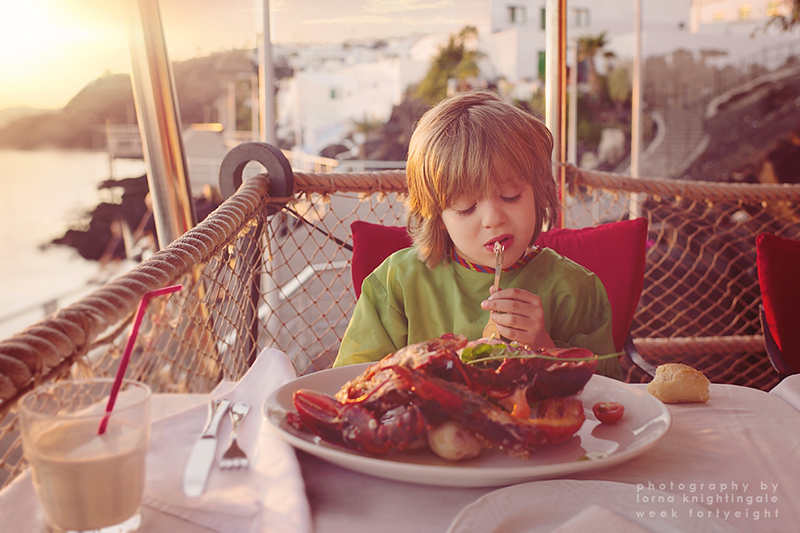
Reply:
x=608 y=412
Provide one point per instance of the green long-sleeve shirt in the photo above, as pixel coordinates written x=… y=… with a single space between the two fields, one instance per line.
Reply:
x=404 y=302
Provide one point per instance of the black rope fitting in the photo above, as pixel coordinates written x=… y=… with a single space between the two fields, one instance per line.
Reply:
x=279 y=171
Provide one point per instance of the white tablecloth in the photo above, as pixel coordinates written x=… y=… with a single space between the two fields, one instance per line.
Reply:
x=268 y=497
x=742 y=443
x=734 y=452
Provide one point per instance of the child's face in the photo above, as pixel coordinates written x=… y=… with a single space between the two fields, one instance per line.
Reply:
x=507 y=215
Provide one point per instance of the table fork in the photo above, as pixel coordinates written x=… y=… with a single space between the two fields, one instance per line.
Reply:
x=234 y=457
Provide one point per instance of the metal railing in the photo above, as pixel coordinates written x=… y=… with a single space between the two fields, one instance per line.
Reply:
x=256 y=274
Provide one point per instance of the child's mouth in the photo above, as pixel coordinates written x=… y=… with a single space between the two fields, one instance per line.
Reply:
x=506 y=241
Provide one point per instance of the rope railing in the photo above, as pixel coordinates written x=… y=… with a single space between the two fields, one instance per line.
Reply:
x=358 y=182
x=685 y=189
x=254 y=277
x=46 y=349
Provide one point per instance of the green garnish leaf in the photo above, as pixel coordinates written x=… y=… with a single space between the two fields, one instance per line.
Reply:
x=484 y=352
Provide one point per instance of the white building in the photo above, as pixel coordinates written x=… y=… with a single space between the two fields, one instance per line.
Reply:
x=515 y=39
x=733 y=15
x=335 y=85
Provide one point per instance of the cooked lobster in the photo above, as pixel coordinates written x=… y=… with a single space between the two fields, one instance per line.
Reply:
x=393 y=404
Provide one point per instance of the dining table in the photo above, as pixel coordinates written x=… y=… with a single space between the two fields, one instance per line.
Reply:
x=730 y=464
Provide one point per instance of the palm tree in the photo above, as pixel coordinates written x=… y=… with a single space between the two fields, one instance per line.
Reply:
x=788 y=22
x=365 y=125
x=453 y=61
x=365 y=128
x=588 y=48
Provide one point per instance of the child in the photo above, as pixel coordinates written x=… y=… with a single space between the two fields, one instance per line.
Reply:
x=479 y=172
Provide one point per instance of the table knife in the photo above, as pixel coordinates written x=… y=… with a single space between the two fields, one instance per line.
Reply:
x=202 y=456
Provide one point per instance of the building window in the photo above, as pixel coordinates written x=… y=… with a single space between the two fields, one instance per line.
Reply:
x=543 y=19
x=745 y=10
x=542 y=65
x=516 y=15
x=333 y=94
x=581 y=17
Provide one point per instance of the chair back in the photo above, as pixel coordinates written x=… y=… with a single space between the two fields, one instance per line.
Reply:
x=372 y=243
x=615 y=252
x=777 y=259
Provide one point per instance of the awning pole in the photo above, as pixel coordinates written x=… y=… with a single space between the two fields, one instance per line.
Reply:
x=266 y=81
x=267 y=134
x=572 y=116
x=159 y=123
x=635 y=207
x=556 y=90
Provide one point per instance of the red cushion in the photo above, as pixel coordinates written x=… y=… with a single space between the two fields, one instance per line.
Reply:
x=778 y=259
x=614 y=251
x=372 y=243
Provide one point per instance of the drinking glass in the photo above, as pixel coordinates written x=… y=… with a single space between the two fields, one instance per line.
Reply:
x=85 y=481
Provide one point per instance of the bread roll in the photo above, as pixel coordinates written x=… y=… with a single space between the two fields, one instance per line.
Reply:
x=677 y=383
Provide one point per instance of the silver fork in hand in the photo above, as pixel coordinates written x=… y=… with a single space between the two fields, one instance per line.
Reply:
x=234 y=457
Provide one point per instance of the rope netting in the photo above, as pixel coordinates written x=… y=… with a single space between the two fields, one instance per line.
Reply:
x=700 y=302
x=253 y=281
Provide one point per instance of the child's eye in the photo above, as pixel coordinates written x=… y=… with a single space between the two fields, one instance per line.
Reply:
x=512 y=199
x=467 y=211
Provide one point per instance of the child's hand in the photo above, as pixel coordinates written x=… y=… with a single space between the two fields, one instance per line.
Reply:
x=519 y=317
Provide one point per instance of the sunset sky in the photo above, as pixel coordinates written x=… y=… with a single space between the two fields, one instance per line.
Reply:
x=50 y=49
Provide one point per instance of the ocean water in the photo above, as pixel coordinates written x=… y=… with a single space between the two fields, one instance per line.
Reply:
x=41 y=193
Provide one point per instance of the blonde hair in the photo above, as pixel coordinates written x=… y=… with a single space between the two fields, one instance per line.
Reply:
x=472 y=143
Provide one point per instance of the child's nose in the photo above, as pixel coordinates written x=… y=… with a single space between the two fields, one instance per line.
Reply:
x=494 y=215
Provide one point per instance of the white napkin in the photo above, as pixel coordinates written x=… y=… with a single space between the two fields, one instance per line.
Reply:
x=789 y=390
x=597 y=518
x=267 y=496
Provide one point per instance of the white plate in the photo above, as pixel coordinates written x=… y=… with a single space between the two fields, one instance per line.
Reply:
x=646 y=420
x=543 y=506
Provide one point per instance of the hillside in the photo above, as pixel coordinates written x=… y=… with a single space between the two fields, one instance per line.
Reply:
x=754 y=133
x=199 y=83
x=7 y=116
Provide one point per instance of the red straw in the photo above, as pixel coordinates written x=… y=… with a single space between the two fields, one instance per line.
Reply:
x=123 y=364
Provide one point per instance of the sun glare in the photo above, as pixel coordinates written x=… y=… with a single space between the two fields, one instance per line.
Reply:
x=30 y=33
x=49 y=49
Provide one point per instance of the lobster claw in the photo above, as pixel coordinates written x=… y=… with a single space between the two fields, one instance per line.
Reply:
x=355 y=426
x=319 y=413
x=316 y=405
